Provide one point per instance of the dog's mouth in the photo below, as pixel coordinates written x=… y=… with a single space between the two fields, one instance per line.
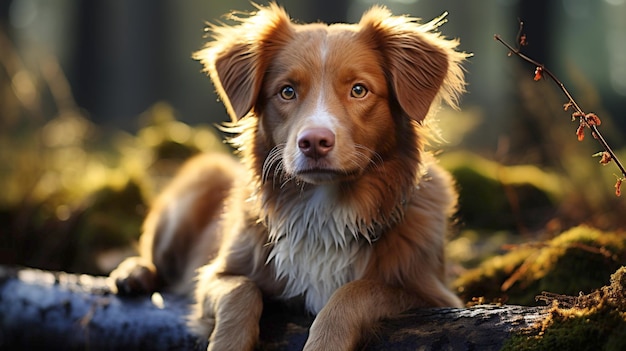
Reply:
x=319 y=175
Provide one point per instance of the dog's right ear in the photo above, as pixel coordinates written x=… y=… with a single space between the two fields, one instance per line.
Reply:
x=422 y=66
x=237 y=58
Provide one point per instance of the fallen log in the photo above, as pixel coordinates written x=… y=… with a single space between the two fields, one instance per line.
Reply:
x=61 y=311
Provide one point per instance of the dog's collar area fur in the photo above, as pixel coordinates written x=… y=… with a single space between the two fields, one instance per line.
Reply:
x=316 y=251
x=379 y=227
x=372 y=231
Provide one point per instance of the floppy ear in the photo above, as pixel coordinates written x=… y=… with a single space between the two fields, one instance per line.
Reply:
x=239 y=55
x=422 y=67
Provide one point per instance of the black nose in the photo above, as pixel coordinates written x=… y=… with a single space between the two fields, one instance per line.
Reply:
x=316 y=142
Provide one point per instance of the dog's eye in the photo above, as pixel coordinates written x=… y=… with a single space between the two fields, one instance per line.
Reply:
x=358 y=91
x=288 y=92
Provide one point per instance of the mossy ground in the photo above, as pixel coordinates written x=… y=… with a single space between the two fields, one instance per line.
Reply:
x=76 y=196
x=580 y=259
x=596 y=321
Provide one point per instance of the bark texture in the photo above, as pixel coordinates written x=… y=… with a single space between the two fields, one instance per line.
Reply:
x=61 y=311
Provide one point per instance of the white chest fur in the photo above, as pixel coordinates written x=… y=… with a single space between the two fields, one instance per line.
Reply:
x=317 y=246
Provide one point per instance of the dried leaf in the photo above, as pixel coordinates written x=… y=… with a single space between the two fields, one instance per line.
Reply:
x=522 y=40
x=578 y=114
x=592 y=119
x=606 y=158
x=567 y=105
x=618 y=187
x=580 y=132
x=538 y=73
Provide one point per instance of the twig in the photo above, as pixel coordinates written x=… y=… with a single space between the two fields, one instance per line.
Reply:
x=564 y=301
x=587 y=120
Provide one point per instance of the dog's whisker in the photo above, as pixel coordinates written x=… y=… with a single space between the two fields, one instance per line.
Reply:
x=285 y=181
x=273 y=161
x=378 y=161
x=354 y=161
x=362 y=156
x=279 y=175
x=375 y=159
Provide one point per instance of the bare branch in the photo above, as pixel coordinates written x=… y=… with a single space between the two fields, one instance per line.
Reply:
x=587 y=120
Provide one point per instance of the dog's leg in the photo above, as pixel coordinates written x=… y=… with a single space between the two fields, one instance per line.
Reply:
x=135 y=275
x=354 y=308
x=182 y=232
x=228 y=308
x=138 y=275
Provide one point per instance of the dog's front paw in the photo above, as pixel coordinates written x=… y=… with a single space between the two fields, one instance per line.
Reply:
x=135 y=276
x=323 y=333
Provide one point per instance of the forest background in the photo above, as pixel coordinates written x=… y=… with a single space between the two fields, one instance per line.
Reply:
x=100 y=102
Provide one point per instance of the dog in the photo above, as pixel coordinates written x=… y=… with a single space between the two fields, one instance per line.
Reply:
x=334 y=201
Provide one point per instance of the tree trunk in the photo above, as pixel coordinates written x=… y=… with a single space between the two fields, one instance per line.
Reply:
x=40 y=309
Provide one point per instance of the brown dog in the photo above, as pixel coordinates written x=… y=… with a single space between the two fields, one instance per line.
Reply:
x=336 y=201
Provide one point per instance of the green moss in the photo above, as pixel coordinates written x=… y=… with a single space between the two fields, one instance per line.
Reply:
x=594 y=322
x=602 y=329
x=480 y=196
x=75 y=192
x=580 y=259
x=492 y=194
x=112 y=217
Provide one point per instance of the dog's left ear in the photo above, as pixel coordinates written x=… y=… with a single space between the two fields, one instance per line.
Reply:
x=238 y=56
x=421 y=65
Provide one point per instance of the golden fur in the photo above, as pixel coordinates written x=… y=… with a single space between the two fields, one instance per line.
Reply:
x=335 y=200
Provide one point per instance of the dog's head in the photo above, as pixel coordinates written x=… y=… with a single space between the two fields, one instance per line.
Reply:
x=329 y=102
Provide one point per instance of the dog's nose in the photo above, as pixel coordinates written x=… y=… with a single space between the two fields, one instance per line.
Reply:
x=316 y=142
